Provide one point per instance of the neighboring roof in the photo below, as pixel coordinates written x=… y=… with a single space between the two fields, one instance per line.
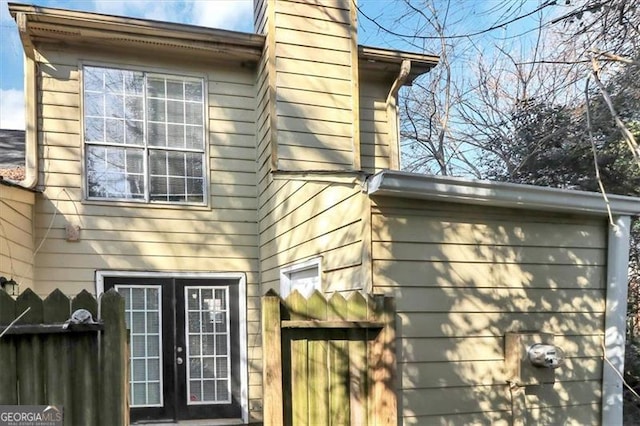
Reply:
x=12 y=154
x=46 y=24
x=11 y=148
x=468 y=191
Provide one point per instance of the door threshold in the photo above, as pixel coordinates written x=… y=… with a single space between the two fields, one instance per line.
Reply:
x=202 y=422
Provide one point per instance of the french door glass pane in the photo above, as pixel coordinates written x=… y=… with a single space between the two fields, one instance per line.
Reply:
x=209 y=361
x=143 y=317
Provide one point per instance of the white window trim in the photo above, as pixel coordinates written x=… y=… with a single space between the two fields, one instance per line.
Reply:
x=242 y=315
x=159 y=72
x=286 y=271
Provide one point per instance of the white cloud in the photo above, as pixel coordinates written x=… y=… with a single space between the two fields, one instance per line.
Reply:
x=12 y=109
x=228 y=14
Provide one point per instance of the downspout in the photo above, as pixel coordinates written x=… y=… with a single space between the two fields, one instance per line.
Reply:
x=31 y=105
x=615 y=320
x=392 y=111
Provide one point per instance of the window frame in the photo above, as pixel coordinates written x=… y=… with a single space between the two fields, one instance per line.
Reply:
x=147 y=71
x=288 y=270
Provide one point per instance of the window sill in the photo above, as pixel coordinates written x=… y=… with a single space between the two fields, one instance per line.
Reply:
x=144 y=205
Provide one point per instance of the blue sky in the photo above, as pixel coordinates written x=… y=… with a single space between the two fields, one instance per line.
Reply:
x=232 y=15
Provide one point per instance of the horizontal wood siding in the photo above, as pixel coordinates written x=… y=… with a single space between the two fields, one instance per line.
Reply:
x=16 y=235
x=313 y=59
x=314 y=218
x=462 y=277
x=222 y=237
x=374 y=124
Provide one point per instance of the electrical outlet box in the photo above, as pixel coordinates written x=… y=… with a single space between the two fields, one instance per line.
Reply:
x=520 y=370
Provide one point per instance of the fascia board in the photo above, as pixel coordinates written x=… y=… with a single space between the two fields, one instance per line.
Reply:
x=77 y=23
x=499 y=194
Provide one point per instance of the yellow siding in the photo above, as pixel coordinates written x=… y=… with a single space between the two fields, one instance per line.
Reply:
x=463 y=276
x=375 y=135
x=314 y=218
x=313 y=49
x=222 y=237
x=16 y=235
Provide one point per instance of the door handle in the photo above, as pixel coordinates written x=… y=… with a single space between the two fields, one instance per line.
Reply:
x=179 y=360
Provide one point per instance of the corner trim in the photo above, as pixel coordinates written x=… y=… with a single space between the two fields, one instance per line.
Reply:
x=500 y=194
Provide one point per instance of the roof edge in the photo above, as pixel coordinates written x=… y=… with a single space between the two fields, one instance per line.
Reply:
x=499 y=194
x=136 y=26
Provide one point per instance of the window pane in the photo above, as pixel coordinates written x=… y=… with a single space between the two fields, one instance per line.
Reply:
x=93 y=79
x=193 y=113
x=157 y=134
x=156 y=110
x=175 y=111
x=93 y=104
x=193 y=91
x=194 y=137
x=114 y=131
x=175 y=90
x=114 y=106
x=133 y=107
x=134 y=132
x=176 y=163
x=176 y=136
x=113 y=81
x=155 y=87
x=133 y=82
x=158 y=162
x=94 y=129
x=194 y=164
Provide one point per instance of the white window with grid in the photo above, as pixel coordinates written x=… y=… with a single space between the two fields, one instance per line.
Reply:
x=144 y=320
x=208 y=348
x=144 y=136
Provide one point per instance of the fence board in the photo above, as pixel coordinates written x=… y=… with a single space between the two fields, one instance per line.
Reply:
x=29 y=352
x=8 y=382
x=318 y=376
x=299 y=356
x=114 y=356
x=57 y=348
x=83 y=353
x=339 y=363
x=272 y=367
x=383 y=405
x=358 y=383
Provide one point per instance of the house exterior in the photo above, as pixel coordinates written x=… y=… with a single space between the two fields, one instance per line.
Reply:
x=193 y=169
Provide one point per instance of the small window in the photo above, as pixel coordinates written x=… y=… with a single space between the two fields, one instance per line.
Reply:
x=304 y=277
x=144 y=136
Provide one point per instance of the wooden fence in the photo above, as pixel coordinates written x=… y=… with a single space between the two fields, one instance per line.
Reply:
x=329 y=362
x=82 y=367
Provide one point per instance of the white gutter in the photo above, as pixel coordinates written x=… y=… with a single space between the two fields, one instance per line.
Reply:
x=392 y=111
x=615 y=320
x=468 y=191
x=31 y=122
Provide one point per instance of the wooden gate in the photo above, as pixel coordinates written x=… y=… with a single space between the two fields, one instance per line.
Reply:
x=329 y=362
x=82 y=367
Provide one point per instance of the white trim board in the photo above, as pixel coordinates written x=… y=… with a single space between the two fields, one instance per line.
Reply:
x=242 y=314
